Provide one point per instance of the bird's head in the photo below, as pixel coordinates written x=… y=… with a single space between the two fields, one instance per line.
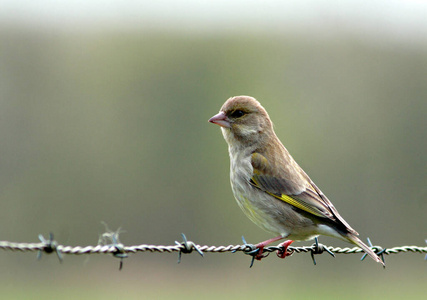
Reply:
x=244 y=122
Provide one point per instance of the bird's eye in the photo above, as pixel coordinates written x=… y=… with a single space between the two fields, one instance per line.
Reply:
x=238 y=113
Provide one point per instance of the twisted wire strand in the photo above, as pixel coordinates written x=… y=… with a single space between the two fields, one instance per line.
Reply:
x=186 y=247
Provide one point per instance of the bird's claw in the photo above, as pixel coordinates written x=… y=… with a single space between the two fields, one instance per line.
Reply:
x=283 y=250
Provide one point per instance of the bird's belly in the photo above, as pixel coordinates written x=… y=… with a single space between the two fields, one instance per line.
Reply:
x=256 y=215
x=259 y=209
x=271 y=214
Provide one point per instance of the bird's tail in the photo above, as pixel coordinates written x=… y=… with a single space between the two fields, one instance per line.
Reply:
x=355 y=240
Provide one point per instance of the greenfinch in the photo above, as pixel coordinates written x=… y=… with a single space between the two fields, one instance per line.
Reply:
x=270 y=187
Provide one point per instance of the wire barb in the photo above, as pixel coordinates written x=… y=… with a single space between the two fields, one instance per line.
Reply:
x=378 y=250
x=187 y=247
x=49 y=246
x=318 y=248
x=252 y=250
x=111 y=239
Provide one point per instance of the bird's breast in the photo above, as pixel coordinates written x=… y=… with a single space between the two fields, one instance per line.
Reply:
x=257 y=205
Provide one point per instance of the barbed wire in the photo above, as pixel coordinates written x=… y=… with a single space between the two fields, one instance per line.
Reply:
x=109 y=244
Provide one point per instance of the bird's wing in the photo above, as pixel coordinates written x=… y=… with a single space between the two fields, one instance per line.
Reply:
x=296 y=190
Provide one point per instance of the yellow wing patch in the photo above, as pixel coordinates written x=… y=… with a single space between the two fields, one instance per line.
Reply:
x=294 y=201
x=299 y=204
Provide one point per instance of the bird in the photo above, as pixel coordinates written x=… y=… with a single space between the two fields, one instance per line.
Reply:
x=270 y=187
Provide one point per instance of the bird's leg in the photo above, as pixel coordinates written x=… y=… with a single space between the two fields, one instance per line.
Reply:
x=283 y=253
x=261 y=246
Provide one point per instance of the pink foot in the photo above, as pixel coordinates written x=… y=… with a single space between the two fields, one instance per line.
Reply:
x=284 y=252
x=261 y=246
x=260 y=255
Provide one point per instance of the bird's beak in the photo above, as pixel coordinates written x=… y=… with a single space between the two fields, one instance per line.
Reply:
x=221 y=119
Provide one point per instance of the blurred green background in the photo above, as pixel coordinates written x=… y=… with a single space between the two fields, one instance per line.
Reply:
x=107 y=121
